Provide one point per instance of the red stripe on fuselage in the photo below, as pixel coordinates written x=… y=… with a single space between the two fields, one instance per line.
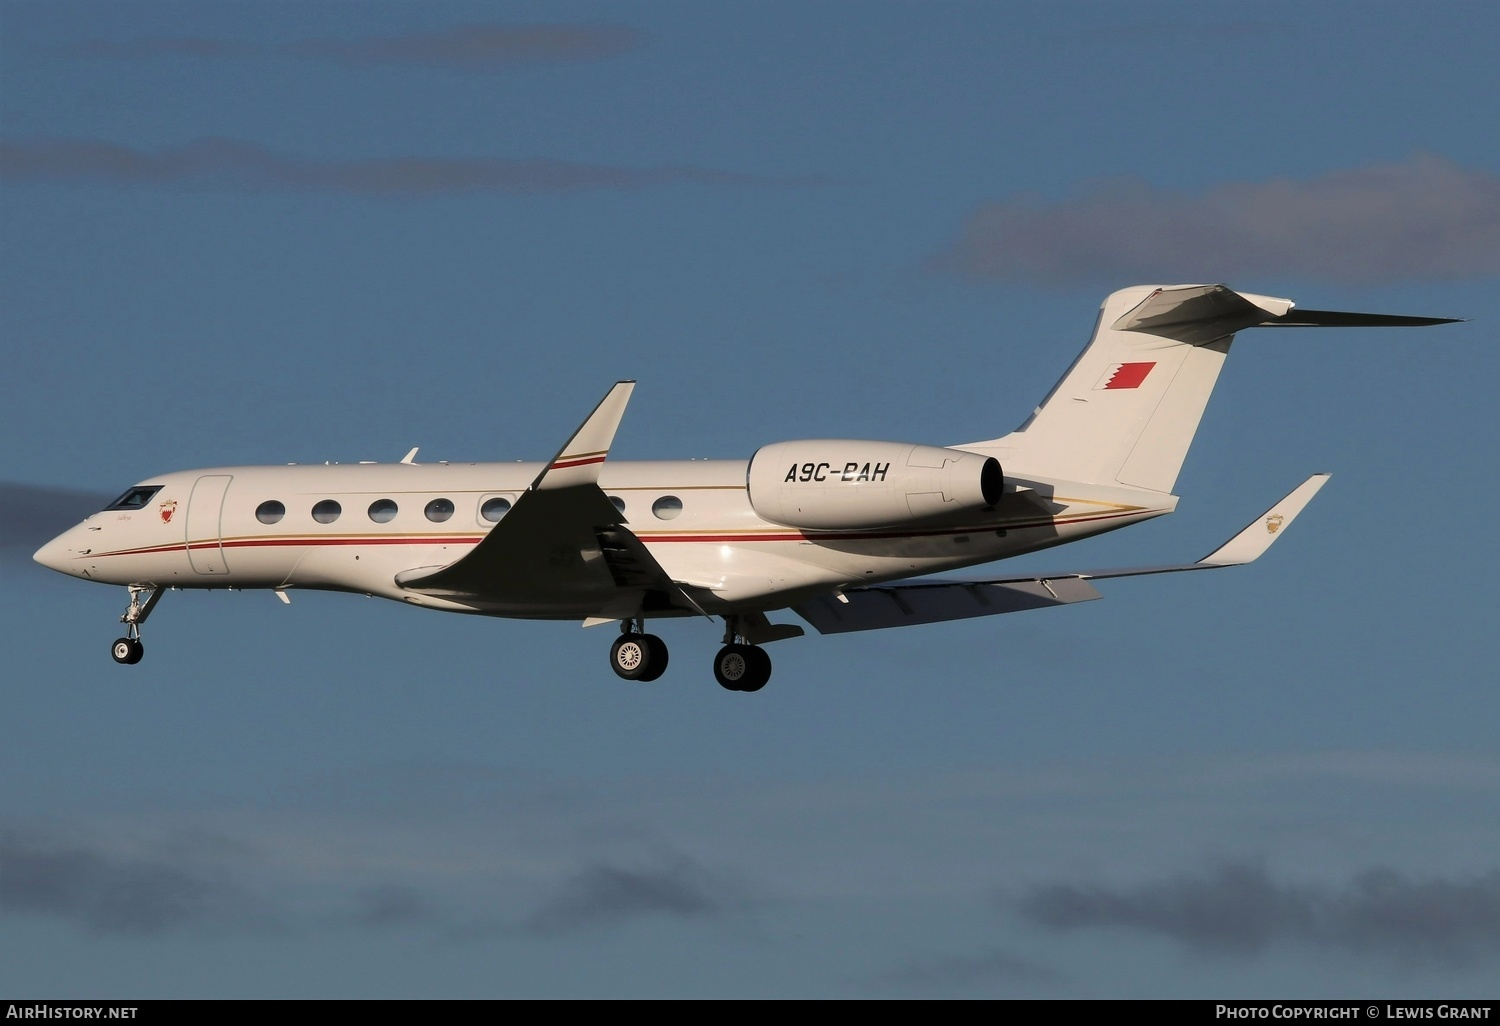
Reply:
x=789 y=535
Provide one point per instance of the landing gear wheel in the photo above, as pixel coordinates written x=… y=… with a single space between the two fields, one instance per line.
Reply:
x=638 y=657
x=742 y=668
x=127 y=650
x=760 y=670
x=657 y=664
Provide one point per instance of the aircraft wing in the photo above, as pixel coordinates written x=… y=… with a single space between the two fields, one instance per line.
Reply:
x=563 y=543
x=901 y=604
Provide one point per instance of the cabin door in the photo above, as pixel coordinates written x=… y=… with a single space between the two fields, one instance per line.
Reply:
x=205 y=509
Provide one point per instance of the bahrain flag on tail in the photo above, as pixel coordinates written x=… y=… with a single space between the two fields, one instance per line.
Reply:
x=1125 y=375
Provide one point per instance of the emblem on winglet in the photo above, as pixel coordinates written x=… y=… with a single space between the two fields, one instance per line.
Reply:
x=1274 y=522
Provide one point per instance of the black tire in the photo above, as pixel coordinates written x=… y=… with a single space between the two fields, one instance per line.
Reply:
x=638 y=657
x=742 y=668
x=127 y=650
x=656 y=665
x=760 y=670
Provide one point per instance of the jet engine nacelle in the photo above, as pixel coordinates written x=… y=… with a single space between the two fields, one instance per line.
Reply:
x=833 y=484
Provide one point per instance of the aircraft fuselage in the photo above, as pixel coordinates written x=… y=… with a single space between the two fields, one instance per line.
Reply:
x=356 y=527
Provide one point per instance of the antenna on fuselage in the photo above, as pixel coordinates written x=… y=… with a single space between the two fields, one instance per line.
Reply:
x=411 y=458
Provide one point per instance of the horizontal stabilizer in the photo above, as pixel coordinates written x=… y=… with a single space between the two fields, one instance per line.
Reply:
x=895 y=605
x=1337 y=319
x=1196 y=314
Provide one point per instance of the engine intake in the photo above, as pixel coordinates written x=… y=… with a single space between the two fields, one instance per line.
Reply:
x=853 y=484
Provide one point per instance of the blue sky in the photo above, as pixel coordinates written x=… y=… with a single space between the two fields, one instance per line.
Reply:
x=261 y=233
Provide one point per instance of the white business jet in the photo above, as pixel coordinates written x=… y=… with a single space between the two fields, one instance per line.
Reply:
x=832 y=529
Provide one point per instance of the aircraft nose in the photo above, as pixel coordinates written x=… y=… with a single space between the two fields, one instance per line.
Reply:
x=57 y=553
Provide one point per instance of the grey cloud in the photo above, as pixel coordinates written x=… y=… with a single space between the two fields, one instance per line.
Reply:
x=481 y=47
x=392 y=905
x=110 y=893
x=31 y=515
x=1425 y=218
x=604 y=894
x=230 y=163
x=1239 y=909
x=186 y=882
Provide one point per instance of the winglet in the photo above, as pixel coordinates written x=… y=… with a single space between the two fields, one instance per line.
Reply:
x=578 y=461
x=1255 y=539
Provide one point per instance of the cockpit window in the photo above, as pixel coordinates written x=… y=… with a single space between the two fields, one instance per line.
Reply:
x=136 y=498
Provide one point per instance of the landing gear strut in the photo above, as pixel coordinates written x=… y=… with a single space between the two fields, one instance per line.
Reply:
x=740 y=666
x=129 y=649
x=636 y=655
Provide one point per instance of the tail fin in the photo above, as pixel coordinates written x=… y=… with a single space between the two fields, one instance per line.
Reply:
x=1127 y=409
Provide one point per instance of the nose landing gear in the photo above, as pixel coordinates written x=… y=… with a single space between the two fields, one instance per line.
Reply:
x=129 y=650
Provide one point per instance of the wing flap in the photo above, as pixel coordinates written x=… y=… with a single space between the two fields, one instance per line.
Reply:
x=866 y=609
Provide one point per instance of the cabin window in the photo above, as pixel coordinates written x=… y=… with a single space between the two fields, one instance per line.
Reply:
x=668 y=507
x=619 y=502
x=439 y=510
x=270 y=512
x=383 y=511
x=327 y=511
x=494 y=509
x=136 y=498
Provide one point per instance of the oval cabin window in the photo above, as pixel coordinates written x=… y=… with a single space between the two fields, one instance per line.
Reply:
x=668 y=507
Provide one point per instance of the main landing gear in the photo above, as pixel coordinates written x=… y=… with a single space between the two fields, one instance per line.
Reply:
x=129 y=649
x=636 y=655
x=739 y=666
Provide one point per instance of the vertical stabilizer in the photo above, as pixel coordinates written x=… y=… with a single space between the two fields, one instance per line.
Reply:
x=1126 y=411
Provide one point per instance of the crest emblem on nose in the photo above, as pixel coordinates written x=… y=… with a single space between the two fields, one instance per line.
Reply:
x=166 y=509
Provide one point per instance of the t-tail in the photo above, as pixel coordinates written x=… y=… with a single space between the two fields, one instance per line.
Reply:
x=1126 y=411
